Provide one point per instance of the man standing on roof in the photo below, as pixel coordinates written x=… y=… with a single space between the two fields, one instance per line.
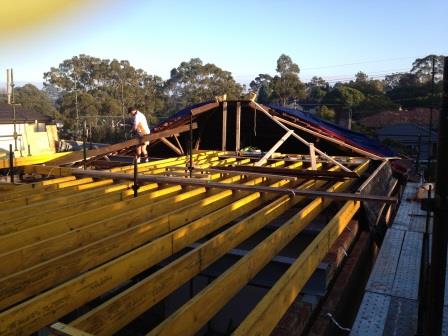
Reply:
x=139 y=128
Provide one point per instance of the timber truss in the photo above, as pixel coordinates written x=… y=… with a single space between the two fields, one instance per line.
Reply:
x=169 y=134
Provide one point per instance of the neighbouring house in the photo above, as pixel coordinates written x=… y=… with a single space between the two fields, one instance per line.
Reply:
x=417 y=138
x=420 y=116
x=36 y=132
x=407 y=128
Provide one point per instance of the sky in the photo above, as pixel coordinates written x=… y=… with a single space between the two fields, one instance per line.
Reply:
x=327 y=38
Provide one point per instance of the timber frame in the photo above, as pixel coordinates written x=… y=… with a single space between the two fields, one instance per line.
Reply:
x=125 y=240
x=79 y=235
x=172 y=135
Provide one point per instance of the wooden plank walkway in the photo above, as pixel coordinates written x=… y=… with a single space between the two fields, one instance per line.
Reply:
x=390 y=303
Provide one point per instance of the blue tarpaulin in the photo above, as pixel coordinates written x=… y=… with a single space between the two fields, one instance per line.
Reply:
x=353 y=138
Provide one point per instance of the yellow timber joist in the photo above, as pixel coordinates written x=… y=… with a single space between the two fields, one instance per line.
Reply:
x=192 y=316
x=31 y=160
x=65 y=241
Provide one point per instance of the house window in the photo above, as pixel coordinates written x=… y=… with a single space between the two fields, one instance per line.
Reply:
x=40 y=127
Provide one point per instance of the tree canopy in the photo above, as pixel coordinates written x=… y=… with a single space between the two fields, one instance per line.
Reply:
x=102 y=89
x=31 y=98
x=343 y=99
x=284 y=87
x=194 y=82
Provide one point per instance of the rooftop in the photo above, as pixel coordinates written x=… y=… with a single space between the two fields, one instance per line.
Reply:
x=22 y=115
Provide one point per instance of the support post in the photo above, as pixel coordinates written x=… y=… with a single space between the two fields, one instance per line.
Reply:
x=224 y=126
x=178 y=143
x=29 y=150
x=90 y=136
x=15 y=125
x=135 y=186
x=190 y=143
x=313 y=157
x=265 y=158
x=13 y=105
x=430 y=121
x=84 y=144
x=419 y=148
x=170 y=145
x=11 y=163
x=440 y=229
x=238 y=127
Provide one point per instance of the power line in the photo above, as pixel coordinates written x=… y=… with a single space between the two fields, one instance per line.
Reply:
x=336 y=78
x=342 y=65
x=358 y=63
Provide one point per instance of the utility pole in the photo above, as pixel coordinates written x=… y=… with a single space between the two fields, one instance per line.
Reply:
x=433 y=72
x=440 y=228
x=76 y=109
x=122 y=109
x=11 y=101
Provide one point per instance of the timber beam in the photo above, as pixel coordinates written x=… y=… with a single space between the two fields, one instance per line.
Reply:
x=78 y=156
x=265 y=316
x=199 y=182
x=117 y=312
x=68 y=296
x=220 y=291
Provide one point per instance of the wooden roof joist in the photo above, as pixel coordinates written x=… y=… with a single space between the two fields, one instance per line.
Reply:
x=18 y=286
x=91 y=236
x=21 y=217
x=16 y=217
x=162 y=283
x=192 y=316
x=46 y=238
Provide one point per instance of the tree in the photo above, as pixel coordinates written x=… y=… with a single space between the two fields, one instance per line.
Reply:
x=373 y=104
x=286 y=66
x=193 y=82
x=262 y=85
x=287 y=86
x=316 y=89
x=344 y=99
x=318 y=82
x=365 y=85
x=374 y=92
x=422 y=68
x=31 y=98
x=361 y=77
x=409 y=90
x=76 y=73
x=326 y=113
x=315 y=94
x=101 y=88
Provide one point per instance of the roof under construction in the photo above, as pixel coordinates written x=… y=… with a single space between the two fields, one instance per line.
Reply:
x=220 y=239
